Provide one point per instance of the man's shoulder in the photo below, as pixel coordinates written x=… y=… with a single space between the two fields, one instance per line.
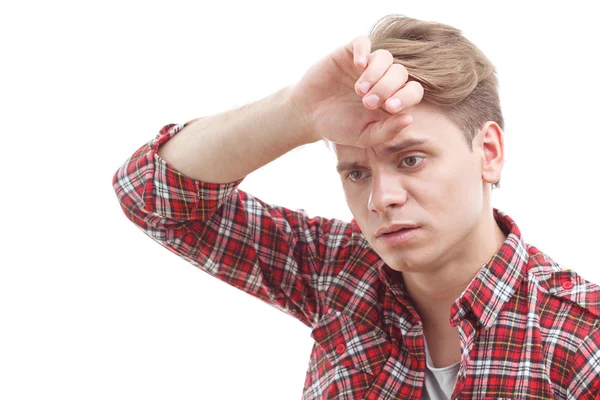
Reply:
x=562 y=283
x=568 y=314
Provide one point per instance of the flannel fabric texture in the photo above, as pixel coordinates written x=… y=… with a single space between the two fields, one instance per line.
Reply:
x=529 y=329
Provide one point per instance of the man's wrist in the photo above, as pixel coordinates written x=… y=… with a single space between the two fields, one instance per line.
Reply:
x=303 y=124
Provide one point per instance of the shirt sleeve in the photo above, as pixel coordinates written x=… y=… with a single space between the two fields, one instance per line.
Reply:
x=278 y=255
x=586 y=369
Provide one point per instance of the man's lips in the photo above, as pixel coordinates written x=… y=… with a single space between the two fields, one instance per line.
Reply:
x=394 y=228
x=398 y=237
x=399 y=230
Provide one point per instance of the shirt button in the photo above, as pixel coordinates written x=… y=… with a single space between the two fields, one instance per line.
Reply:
x=568 y=285
x=340 y=348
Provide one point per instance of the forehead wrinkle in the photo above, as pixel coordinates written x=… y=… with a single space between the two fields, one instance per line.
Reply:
x=403 y=145
x=388 y=149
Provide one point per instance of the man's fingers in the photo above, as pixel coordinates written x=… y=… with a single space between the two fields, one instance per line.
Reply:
x=384 y=130
x=411 y=94
x=378 y=64
x=391 y=82
x=361 y=49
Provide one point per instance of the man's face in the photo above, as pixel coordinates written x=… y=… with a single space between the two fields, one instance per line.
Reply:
x=434 y=184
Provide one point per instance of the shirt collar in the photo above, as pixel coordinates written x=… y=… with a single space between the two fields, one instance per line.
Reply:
x=492 y=287
x=498 y=279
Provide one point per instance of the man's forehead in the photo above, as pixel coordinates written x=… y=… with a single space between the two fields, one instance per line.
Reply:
x=430 y=127
x=393 y=146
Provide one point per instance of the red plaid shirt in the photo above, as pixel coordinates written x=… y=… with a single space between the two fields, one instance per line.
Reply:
x=528 y=329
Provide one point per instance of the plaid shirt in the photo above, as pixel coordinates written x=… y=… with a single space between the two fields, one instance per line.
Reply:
x=528 y=329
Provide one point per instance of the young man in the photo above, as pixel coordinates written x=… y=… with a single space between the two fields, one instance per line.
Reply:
x=429 y=292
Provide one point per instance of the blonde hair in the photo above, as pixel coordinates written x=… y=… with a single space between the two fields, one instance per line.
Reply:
x=455 y=74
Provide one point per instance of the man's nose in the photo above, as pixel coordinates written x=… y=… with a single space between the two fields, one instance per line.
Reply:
x=387 y=191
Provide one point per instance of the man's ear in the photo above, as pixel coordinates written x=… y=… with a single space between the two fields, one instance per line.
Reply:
x=491 y=143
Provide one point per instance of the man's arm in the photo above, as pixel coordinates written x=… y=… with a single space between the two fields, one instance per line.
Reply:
x=278 y=255
x=351 y=97
x=181 y=188
x=227 y=147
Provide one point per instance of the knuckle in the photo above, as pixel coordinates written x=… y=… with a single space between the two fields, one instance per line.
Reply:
x=418 y=88
x=413 y=92
x=399 y=70
x=384 y=55
x=413 y=86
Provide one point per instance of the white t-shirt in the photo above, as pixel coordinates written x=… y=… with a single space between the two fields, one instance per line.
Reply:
x=439 y=382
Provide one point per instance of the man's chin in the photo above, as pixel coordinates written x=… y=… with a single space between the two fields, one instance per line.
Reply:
x=397 y=263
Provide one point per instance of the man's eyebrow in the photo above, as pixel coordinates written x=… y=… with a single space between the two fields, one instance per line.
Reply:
x=396 y=148
x=404 y=144
x=348 y=166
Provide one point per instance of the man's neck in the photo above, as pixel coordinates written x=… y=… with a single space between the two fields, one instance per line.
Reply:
x=433 y=293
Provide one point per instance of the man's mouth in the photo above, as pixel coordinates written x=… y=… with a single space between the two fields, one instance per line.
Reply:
x=399 y=236
x=399 y=230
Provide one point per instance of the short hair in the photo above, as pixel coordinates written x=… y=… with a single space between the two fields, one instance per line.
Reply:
x=455 y=75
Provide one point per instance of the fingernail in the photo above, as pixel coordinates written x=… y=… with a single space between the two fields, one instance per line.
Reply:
x=372 y=100
x=394 y=103
x=364 y=86
x=362 y=60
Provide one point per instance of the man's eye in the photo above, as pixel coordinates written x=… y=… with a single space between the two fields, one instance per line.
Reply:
x=413 y=161
x=354 y=176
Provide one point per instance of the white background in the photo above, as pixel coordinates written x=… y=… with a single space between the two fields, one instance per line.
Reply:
x=91 y=308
